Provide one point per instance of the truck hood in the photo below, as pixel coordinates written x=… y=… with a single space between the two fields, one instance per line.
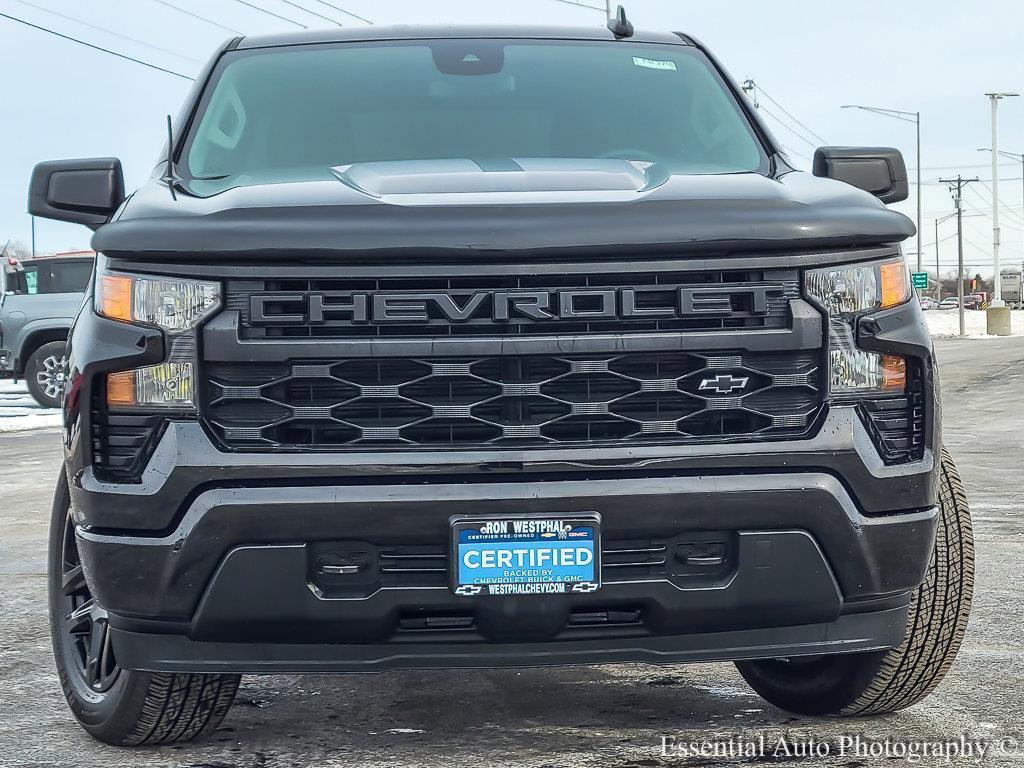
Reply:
x=528 y=208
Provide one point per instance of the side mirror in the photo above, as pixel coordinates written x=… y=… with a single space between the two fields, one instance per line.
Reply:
x=878 y=170
x=80 y=191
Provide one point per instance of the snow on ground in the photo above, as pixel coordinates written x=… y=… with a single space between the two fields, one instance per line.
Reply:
x=18 y=411
x=946 y=322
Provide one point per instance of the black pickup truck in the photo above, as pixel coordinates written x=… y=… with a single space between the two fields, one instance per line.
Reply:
x=493 y=347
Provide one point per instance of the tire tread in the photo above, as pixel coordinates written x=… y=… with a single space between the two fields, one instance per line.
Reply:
x=886 y=681
x=938 y=614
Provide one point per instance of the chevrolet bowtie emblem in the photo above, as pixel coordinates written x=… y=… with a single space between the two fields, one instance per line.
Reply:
x=724 y=384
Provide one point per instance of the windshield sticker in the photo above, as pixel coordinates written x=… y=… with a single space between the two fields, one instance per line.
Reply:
x=654 y=63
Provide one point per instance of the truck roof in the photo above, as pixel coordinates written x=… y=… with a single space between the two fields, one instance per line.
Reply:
x=433 y=32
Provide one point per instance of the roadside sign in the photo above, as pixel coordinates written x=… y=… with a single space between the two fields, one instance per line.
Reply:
x=920 y=280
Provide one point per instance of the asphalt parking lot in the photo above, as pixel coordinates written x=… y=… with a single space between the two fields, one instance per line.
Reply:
x=612 y=717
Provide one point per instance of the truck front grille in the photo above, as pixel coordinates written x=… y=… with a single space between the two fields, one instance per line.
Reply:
x=513 y=400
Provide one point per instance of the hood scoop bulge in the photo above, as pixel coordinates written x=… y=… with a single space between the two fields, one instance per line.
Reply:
x=501 y=180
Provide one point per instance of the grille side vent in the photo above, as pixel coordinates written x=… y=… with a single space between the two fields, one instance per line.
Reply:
x=897 y=424
x=122 y=443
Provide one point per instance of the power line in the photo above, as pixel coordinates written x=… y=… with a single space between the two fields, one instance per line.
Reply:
x=1017 y=217
x=313 y=13
x=954 y=167
x=179 y=9
x=793 y=131
x=271 y=13
x=1003 y=205
x=750 y=87
x=790 y=114
x=988 y=202
x=107 y=31
x=940 y=182
x=96 y=47
x=582 y=5
x=342 y=10
x=796 y=152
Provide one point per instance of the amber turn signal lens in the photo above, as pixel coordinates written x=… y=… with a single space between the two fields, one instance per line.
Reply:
x=894 y=373
x=895 y=283
x=121 y=389
x=114 y=297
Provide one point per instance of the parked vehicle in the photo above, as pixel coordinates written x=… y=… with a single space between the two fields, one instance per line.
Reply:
x=927 y=302
x=420 y=349
x=1011 y=288
x=38 y=303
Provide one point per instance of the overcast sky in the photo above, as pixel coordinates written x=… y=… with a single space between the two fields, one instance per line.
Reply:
x=61 y=99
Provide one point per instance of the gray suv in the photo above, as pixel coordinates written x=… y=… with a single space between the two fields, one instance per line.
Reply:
x=39 y=299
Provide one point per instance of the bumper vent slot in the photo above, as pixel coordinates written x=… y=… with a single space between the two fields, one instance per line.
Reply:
x=514 y=400
x=897 y=424
x=122 y=443
x=599 y=618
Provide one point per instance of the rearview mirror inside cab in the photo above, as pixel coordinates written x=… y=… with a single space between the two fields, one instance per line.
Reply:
x=878 y=170
x=80 y=191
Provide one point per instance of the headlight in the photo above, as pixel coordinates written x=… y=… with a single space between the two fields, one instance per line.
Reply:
x=169 y=385
x=851 y=289
x=177 y=306
x=846 y=292
x=168 y=303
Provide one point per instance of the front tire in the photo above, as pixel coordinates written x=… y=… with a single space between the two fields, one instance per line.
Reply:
x=45 y=372
x=117 y=706
x=886 y=681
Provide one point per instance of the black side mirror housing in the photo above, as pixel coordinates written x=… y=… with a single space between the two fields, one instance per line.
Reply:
x=80 y=191
x=878 y=170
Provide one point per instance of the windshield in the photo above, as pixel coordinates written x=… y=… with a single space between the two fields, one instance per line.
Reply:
x=293 y=113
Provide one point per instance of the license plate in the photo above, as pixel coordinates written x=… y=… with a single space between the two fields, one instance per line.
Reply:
x=527 y=555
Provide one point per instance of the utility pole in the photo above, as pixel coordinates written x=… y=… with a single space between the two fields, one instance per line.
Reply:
x=956 y=187
x=608 y=9
x=33 y=237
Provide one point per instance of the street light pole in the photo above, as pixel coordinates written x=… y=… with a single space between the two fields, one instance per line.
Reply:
x=997 y=291
x=908 y=117
x=917 y=125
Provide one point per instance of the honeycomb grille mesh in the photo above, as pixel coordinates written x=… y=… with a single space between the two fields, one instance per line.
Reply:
x=512 y=400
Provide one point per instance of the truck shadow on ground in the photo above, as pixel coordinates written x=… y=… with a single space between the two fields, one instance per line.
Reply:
x=618 y=713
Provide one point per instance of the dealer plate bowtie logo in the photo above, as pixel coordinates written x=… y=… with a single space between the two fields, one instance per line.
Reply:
x=584 y=586
x=468 y=590
x=724 y=385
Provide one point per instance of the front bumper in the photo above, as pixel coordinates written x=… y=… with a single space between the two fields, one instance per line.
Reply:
x=227 y=578
x=211 y=562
